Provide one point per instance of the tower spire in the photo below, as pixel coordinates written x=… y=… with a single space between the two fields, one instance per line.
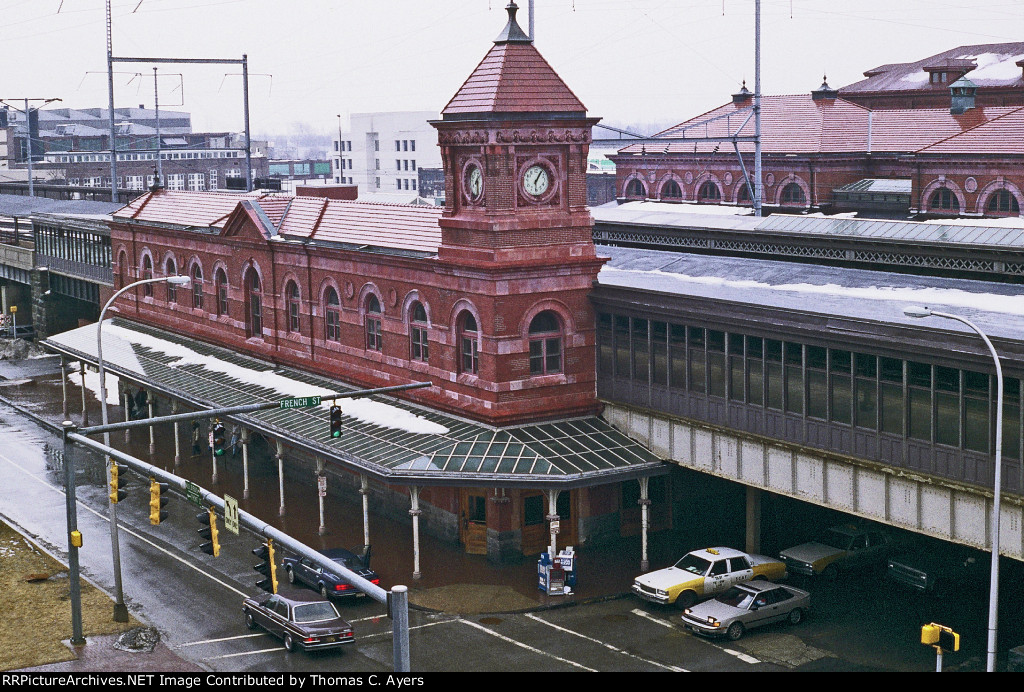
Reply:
x=512 y=33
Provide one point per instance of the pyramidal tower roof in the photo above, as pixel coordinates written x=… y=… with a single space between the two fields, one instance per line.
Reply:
x=513 y=78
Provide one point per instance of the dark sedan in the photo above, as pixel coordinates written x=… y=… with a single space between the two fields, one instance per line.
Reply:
x=328 y=583
x=300 y=620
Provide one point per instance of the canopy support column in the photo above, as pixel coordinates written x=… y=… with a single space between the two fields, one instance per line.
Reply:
x=320 y=496
x=280 y=475
x=85 y=413
x=645 y=522
x=245 y=463
x=364 y=490
x=552 y=517
x=127 y=415
x=415 y=512
x=64 y=387
x=177 y=438
x=152 y=436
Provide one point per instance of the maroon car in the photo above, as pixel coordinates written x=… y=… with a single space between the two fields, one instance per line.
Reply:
x=307 y=622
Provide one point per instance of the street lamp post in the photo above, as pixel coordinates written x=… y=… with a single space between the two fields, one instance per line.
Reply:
x=993 y=592
x=120 y=609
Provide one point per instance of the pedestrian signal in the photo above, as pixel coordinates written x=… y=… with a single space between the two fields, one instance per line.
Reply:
x=219 y=440
x=335 y=421
x=157 y=500
x=116 y=470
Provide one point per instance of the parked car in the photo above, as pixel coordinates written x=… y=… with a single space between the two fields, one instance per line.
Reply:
x=943 y=573
x=703 y=573
x=746 y=606
x=299 y=619
x=840 y=548
x=331 y=584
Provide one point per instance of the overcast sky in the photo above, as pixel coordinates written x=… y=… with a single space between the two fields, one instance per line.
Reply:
x=629 y=61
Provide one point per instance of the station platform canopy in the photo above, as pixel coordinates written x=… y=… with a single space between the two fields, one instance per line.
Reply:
x=391 y=440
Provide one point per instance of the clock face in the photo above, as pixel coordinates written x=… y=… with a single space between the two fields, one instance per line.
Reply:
x=536 y=180
x=474 y=183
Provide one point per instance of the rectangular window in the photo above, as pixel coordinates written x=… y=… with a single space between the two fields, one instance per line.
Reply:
x=716 y=362
x=976 y=411
x=622 y=346
x=890 y=392
x=1011 y=418
x=736 y=367
x=374 y=341
x=773 y=373
x=817 y=394
x=698 y=360
x=755 y=370
x=919 y=385
x=398 y=145
x=841 y=386
x=794 y=378
x=641 y=353
x=333 y=323
x=604 y=343
x=659 y=352
x=412 y=145
x=677 y=356
x=420 y=345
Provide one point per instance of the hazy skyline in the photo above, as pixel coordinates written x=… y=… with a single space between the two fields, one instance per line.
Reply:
x=627 y=60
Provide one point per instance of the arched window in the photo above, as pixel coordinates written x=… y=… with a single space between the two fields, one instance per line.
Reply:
x=420 y=349
x=744 y=195
x=944 y=199
x=294 y=302
x=545 y=344
x=253 y=304
x=170 y=269
x=793 y=195
x=374 y=340
x=671 y=190
x=122 y=269
x=332 y=315
x=1003 y=202
x=221 y=281
x=636 y=188
x=469 y=343
x=147 y=273
x=709 y=192
x=197 y=286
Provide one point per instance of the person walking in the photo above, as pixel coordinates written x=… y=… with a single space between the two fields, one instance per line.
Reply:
x=236 y=433
x=197 y=436
x=141 y=400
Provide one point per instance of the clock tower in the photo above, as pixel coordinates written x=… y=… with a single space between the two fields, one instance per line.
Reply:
x=514 y=143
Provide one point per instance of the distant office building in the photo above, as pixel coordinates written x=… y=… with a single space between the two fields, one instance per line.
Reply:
x=383 y=152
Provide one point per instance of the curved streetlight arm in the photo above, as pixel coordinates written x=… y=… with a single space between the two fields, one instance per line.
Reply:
x=993 y=595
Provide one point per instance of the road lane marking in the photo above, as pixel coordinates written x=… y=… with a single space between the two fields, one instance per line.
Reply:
x=659 y=621
x=222 y=639
x=742 y=656
x=246 y=653
x=414 y=627
x=125 y=529
x=525 y=646
x=605 y=645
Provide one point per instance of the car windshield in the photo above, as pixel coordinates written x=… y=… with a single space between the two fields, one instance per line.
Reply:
x=350 y=562
x=835 y=539
x=692 y=563
x=737 y=598
x=315 y=612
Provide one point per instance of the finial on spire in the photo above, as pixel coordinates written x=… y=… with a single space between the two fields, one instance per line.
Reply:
x=513 y=33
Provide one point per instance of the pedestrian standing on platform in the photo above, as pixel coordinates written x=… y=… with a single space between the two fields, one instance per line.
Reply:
x=236 y=433
x=197 y=437
x=141 y=400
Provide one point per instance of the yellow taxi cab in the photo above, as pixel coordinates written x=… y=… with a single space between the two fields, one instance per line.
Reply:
x=703 y=573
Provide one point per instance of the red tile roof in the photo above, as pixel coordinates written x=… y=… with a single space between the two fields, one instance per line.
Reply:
x=514 y=78
x=801 y=125
x=392 y=226
x=1003 y=134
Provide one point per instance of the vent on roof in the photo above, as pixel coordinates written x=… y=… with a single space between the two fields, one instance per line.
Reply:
x=743 y=95
x=962 y=93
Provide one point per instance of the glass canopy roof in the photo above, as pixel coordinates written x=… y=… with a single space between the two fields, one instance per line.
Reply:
x=391 y=439
x=904 y=231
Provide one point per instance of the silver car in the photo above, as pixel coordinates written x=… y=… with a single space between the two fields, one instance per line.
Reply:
x=745 y=606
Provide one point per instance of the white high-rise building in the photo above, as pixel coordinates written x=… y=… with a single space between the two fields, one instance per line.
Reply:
x=383 y=152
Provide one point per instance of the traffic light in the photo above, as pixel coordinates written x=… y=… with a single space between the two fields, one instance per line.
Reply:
x=157 y=501
x=941 y=636
x=209 y=532
x=335 y=421
x=116 y=469
x=218 y=439
x=267 y=568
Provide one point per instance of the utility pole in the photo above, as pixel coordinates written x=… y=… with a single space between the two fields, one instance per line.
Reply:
x=110 y=105
x=156 y=107
x=531 y=20
x=248 y=142
x=758 y=185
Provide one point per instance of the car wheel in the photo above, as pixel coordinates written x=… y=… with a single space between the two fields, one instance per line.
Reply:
x=289 y=645
x=249 y=621
x=831 y=573
x=323 y=591
x=686 y=599
x=796 y=616
x=291 y=575
x=735 y=631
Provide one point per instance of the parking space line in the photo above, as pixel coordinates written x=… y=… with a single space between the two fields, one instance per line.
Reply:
x=525 y=646
x=388 y=631
x=742 y=656
x=663 y=623
x=606 y=645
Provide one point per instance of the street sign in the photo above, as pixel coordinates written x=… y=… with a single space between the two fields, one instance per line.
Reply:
x=321 y=485
x=192 y=494
x=231 y=514
x=555 y=526
x=300 y=402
